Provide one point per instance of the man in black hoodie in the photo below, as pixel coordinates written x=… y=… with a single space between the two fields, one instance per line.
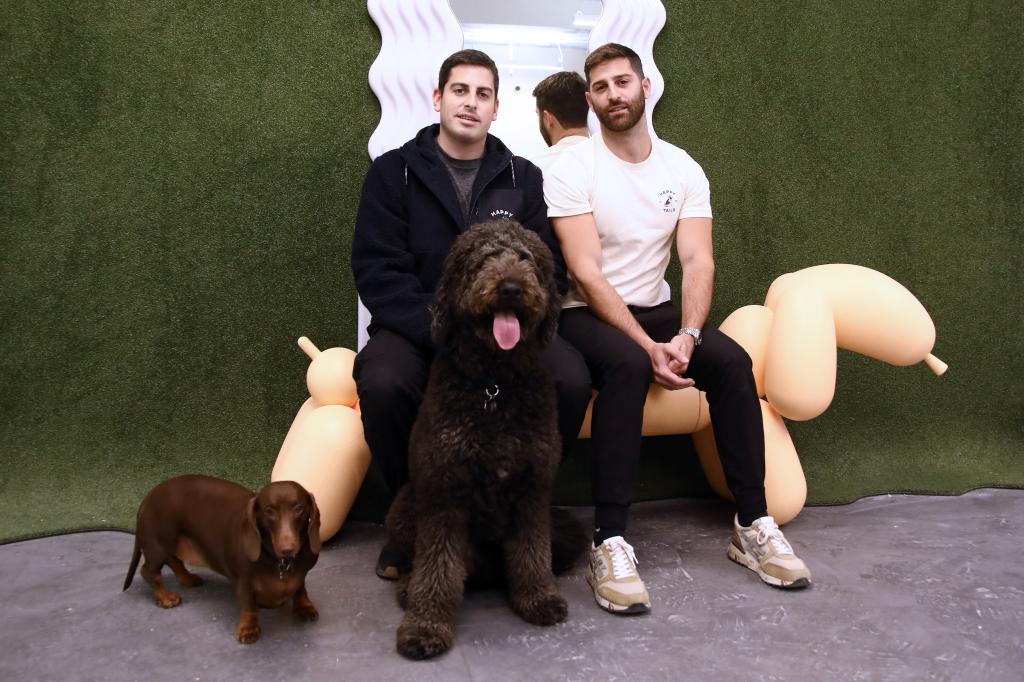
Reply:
x=416 y=200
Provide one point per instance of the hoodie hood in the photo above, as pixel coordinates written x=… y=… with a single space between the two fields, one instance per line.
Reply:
x=421 y=158
x=420 y=153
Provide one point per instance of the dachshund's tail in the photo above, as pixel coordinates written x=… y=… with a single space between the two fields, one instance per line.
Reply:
x=135 y=564
x=569 y=540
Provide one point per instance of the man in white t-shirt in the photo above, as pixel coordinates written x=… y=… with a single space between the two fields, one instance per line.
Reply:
x=616 y=202
x=562 y=114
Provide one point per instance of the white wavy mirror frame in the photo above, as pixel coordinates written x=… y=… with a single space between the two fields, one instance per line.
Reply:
x=417 y=35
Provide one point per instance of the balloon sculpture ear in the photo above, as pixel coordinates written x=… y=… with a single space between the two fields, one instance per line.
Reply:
x=251 y=532
x=314 y=525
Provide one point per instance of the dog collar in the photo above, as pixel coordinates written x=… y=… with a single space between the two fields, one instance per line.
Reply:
x=283 y=566
x=491 y=398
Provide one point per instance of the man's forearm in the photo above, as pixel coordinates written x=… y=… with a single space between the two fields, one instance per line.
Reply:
x=698 y=285
x=609 y=306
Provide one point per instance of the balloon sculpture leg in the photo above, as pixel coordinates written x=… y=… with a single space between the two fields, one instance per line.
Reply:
x=785 y=488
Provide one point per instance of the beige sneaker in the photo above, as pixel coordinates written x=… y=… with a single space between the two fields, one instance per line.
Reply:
x=763 y=549
x=612 y=574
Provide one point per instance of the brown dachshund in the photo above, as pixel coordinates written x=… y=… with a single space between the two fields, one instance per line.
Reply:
x=263 y=542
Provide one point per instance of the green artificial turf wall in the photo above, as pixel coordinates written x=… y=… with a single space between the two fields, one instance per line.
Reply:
x=179 y=186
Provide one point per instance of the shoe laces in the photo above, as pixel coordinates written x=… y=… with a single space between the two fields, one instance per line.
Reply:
x=768 y=531
x=623 y=559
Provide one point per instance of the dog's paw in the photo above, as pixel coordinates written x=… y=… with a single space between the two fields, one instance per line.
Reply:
x=419 y=642
x=544 y=610
x=403 y=592
x=248 y=632
x=190 y=580
x=168 y=600
x=306 y=611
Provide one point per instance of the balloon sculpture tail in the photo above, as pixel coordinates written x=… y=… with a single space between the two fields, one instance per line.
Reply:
x=935 y=365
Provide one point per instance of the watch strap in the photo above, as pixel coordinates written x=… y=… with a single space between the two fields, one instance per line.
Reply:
x=692 y=331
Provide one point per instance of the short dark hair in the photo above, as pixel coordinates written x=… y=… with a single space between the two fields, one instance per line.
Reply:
x=564 y=95
x=471 y=57
x=608 y=52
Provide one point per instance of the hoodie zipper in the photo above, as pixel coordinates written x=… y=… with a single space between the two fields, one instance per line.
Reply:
x=476 y=204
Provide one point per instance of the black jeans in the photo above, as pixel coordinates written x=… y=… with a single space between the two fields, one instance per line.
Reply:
x=621 y=371
x=391 y=374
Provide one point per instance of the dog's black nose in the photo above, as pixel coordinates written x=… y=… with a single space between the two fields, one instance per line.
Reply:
x=510 y=291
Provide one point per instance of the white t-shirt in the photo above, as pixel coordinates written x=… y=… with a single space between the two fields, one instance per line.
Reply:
x=636 y=207
x=545 y=159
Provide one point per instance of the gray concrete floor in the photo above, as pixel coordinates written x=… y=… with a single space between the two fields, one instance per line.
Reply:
x=905 y=587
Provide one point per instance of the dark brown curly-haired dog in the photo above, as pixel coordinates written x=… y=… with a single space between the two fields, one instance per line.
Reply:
x=485 y=446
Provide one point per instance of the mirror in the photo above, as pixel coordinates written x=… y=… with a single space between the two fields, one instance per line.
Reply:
x=528 y=40
x=417 y=35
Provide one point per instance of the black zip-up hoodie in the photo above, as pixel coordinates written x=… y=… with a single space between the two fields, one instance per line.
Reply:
x=409 y=217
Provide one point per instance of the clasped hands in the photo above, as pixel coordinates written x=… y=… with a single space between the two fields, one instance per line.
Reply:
x=671 y=360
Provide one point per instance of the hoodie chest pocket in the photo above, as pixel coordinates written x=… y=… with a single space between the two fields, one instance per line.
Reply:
x=497 y=204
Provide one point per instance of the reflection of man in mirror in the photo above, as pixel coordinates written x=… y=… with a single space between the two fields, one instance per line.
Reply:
x=415 y=201
x=616 y=201
x=562 y=114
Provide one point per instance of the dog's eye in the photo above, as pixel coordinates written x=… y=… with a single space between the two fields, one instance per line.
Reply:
x=299 y=509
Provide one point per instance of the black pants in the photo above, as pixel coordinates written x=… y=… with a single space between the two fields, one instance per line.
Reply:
x=391 y=374
x=621 y=371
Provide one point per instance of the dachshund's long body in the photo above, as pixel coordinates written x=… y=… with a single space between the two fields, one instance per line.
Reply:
x=263 y=542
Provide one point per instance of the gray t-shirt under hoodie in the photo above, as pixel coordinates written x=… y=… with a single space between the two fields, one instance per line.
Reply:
x=463 y=174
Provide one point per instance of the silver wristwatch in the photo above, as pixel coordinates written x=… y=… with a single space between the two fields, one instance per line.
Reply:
x=692 y=331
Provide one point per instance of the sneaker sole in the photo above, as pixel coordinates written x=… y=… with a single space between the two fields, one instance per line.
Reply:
x=387 y=572
x=743 y=559
x=619 y=610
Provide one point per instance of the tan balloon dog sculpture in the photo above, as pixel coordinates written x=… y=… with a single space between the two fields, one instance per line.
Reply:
x=792 y=341
x=324 y=450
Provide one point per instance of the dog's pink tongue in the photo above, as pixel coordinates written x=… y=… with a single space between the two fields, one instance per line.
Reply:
x=506 y=330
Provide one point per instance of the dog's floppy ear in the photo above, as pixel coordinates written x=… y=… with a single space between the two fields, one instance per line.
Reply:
x=440 y=319
x=314 y=525
x=442 y=326
x=251 y=532
x=549 y=326
x=545 y=262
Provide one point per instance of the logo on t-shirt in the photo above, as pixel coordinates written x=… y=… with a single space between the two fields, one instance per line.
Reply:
x=669 y=201
x=502 y=213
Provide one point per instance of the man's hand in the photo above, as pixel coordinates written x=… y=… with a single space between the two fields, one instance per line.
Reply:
x=670 y=361
x=685 y=344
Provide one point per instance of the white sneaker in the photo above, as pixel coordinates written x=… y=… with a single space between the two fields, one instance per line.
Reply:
x=763 y=548
x=612 y=575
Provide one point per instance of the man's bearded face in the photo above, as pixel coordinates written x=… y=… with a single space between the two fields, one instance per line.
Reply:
x=622 y=110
